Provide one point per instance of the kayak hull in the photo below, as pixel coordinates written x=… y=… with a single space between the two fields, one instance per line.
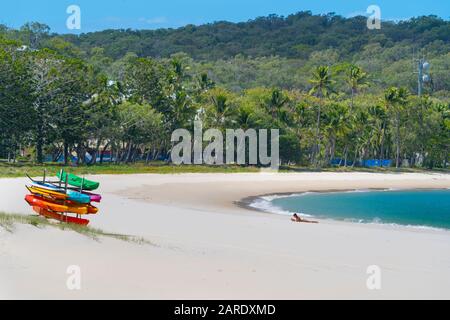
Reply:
x=92 y=209
x=57 y=206
x=79 y=182
x=46 y=189
x=35 y=190
x=56 y=216
x=94 y=197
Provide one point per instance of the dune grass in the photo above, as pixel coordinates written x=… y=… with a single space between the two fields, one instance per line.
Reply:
x=9 y=221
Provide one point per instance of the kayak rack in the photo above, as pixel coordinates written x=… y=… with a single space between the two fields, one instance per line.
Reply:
x=63 y=185
x=66 y=184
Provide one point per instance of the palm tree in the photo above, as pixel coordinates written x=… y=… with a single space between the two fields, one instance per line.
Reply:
x=394 y=100
x=182 y=111
x=336 y=127
x=178 y=70
x=390 y=99
x=245 y=118
x=364 y=137
x=205 y=83
x=220 y=109
x=402 y=100
x=322 y=87
x=275 y=104
x=356 y=79
x=378 y=116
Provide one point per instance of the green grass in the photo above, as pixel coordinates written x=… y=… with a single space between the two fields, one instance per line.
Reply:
x=9 y=221
x=8 y=170
x=363 y=169
x=34 y=170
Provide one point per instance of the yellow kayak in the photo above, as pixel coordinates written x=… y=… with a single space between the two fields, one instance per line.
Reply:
x=59 y=194
x=35 y=190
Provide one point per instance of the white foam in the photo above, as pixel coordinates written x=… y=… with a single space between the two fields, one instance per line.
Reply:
x=281 y=196
x=265 y=203
x=409 y=226
x=359 y=191
x=379 y=222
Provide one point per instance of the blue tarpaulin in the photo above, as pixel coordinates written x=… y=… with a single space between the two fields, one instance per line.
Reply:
x=376 y=163
x=364 y=163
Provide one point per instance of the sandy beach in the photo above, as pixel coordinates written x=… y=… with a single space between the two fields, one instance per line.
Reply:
x=206 y=245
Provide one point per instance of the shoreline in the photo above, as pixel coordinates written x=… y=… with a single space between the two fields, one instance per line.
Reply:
x=247 y=203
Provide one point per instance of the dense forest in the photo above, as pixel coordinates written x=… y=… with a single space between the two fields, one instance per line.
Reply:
x=339 y=93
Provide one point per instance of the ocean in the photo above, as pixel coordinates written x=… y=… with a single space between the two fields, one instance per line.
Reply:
x=418 y=208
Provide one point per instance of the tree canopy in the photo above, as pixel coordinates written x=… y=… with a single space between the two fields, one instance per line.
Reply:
x=340 y=94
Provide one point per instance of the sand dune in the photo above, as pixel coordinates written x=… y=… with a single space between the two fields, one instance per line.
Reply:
x=207 y=247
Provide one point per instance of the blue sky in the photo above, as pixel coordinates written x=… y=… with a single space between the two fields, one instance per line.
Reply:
x=151 y=14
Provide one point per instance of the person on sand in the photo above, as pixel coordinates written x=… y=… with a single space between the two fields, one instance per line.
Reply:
x=296 y=218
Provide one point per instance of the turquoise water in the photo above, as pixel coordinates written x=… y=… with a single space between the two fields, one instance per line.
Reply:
x=415 y=208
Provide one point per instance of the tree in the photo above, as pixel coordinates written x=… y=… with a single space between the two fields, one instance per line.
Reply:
x=181 y=106
x=205 y=83
x=356 y=79
x=102 y=114
x=395 y=101
x=220 y=108
x=144 y=83
x=33 y=33
x=389 y=102
x=402 y=101
x=16 y=114
x=336 y=127
x=378 y=118
x=322 y=87
x=139 y=125
x=58 y=88
x=289 y=148
x=71 y=103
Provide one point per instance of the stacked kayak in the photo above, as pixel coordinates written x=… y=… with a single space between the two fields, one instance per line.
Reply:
x=76 y=181
x=69 y=195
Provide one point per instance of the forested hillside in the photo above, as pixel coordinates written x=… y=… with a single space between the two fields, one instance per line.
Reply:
x=270 y=51
x=339 y=93
x=294 y=36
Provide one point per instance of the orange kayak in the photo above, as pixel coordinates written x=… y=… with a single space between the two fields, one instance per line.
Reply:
x=92 y=209
x=58 y=206
x=56 y=216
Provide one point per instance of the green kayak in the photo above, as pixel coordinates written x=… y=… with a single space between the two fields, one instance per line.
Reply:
x=76 y=181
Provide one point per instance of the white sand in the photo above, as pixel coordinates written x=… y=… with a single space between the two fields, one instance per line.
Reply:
x=209 y=248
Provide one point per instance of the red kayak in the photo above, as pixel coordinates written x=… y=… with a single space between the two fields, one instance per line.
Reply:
x=56 y=216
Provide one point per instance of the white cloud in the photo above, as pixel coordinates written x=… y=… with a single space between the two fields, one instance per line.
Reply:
x=155 y=20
